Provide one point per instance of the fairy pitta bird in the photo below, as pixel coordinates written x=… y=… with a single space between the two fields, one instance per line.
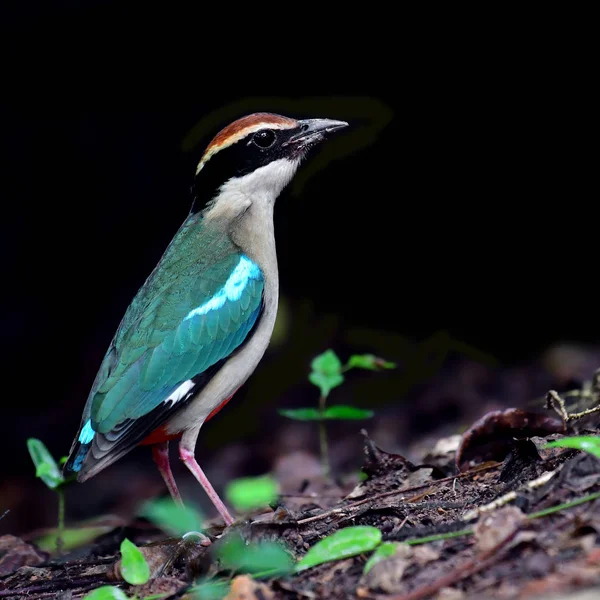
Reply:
x=200 y=324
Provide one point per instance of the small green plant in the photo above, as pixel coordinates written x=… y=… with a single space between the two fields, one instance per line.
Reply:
x=47 y=469
x=384 y=550
x=327 y=373
x=134 y=570
x=210 y=589
x=250 y=493
x=587 y=443
x=106 y=592
x=134 y=567
x=173 y=518
x=344 y=543
x=261 y=559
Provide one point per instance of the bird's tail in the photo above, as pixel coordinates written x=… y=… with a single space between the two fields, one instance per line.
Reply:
x=76 y=457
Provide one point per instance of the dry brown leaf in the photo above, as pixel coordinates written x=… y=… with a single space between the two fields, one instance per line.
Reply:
x=16 y=553
x=449 y=593
x=492 y=436
x=243 y=587
x=494 y=528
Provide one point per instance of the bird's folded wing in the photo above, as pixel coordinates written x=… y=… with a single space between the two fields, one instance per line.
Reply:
x=179 y=329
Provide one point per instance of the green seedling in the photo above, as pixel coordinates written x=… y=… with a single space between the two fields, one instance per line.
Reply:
x=107 y=592
x=134 y=567
x=250 y=493
x=134 y=570
x=328 y=373
x=172 y=518
x=344 y=543
x=215 y=589
x=261 y=559
x=112 y=592
x=384 y=550
x=47 y=469
x=587 y=443
x=72 y=537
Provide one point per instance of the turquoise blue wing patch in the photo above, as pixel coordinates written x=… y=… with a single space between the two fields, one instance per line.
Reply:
x=179 y=338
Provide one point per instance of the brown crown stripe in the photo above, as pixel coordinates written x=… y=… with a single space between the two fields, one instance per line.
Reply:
x=240 y=128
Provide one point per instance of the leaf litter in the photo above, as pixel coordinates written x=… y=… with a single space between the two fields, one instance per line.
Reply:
x=456 y=525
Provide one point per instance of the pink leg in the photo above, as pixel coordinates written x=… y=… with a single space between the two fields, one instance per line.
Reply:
x=190 y=462
x=160 y=454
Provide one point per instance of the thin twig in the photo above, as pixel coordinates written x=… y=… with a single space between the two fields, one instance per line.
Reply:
x=557 y=403
x=510 y=496
x=312 y=495
x=55 y=585
x=413 y=488
x=439 y=537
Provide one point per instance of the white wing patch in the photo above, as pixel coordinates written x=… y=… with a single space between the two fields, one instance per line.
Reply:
x=181 y=393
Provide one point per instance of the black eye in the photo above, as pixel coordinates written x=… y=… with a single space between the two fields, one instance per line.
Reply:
x=264 y=138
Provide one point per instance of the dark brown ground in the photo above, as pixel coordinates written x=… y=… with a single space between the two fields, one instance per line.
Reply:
x=506 y=555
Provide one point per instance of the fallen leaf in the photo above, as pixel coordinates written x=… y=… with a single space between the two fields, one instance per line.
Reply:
x=492 y=436
x=379 y=462
x=243 y=587
x=424 y=554
x=447 y=445
x=494 y=528
x=16 y=553
x=386 y=575
x=448 y=593
x=158 y=555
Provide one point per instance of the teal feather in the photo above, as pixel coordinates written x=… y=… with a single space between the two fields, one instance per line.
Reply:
x=156 y=348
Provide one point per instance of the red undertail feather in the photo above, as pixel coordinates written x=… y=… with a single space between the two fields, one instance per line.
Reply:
x=160 y=435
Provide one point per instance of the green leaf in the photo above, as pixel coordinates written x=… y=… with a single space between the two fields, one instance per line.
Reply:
x=210 y=590
x=587 y=443
x=106 y=592
x=346 y=542
x=385 y=550
x=134 y=567
x=302 y=414
x=71 y=538
x=45 y=466
x=173 y=518
x=326 y=382
x=249 y=493
x=347 y=413
x=237 y=555
x=328 y=363
x=326 y=372
x=370 y=362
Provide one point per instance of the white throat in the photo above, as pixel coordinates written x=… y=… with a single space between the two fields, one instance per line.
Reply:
x=261 y=187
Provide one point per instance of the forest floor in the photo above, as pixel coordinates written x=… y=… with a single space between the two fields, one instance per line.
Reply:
x=488 y=513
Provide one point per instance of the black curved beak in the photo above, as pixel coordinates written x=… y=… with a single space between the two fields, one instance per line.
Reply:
x=312 y=131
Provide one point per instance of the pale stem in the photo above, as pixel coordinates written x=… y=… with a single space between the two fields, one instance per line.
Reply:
x=323 y=439
x=61 y=520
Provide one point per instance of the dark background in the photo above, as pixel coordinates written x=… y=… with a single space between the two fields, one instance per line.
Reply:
x=461 y=200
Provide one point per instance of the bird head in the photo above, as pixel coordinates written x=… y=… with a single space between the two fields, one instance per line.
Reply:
x=255 y=157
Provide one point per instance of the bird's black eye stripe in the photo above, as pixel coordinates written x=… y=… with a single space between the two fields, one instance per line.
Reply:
x=264 y=138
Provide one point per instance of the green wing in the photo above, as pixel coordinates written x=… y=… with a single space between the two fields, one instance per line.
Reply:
x=195 y=309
